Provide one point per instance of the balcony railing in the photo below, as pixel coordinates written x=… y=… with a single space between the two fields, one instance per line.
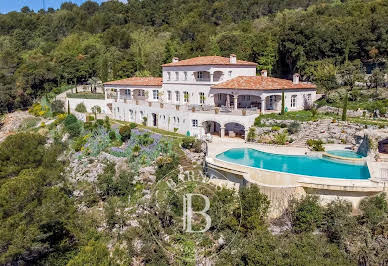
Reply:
x=208 y=109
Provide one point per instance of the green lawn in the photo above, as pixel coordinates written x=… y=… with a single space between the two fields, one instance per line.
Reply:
x=304 y=116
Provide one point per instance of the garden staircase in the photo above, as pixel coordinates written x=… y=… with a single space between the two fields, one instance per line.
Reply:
x=312 y=133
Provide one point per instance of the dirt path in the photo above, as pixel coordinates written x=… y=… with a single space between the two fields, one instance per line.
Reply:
x=11 y=122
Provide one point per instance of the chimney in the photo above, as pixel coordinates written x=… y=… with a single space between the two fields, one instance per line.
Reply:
x=264 y=73
x=233 y=59
x=175 y=59
x=295 y=78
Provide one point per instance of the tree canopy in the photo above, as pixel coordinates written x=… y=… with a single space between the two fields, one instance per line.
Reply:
x=43 y=50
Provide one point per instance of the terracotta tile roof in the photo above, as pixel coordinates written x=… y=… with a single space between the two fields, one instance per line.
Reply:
x=261 y=83
x=137 y=81
x=209 y=60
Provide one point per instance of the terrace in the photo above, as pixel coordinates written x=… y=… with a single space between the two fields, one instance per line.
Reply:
x=206 y=109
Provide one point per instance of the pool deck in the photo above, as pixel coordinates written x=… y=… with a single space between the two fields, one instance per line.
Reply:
x=378 y=170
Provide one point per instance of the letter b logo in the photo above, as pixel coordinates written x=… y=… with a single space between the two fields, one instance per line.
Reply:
x=188 y=213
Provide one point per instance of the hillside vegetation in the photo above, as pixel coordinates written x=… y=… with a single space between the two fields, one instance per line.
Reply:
x=41 y=51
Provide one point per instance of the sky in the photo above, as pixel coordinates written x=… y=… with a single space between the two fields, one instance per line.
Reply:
x=15 y=5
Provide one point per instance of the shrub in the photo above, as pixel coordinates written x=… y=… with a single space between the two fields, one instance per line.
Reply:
x=21 y=151
x=97 y=96
x=38 y=110
x=275 y=128
x=374 y=209
x=70 y=119
x=146 y=139
x=314 y=112
x=197 y=146
x=81 y=108
x=80 y=142
x=112 y=135
x=175 y=129
x=306 y=214
x=257 y=122
x=74 y=129
x=132 y=125
x=72 y=125
x=283 y=125
x=89 y=118
x=145 y=121
x=188 y=142
x=107 y=123
x=251 y=134
x=57 y=106
x=254 y=206
x=165 y=165
x=315 y=144
x=281 y=138
x=338 y=220
x=100 y=122
x=125 y=133
x=294 y=127
x=88 y=125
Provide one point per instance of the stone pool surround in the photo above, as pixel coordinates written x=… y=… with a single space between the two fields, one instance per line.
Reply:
x=281 y=187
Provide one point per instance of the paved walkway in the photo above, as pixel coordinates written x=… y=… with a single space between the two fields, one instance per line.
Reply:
x=219 y=145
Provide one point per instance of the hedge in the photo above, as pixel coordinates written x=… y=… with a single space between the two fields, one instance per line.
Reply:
x=97 y=96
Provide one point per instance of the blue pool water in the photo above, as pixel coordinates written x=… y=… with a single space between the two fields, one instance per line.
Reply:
x=295 y=164
x=345 y=153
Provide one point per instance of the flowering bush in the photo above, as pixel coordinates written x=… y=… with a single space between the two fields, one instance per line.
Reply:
x=38 y=110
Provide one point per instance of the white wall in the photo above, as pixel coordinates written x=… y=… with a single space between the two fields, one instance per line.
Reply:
x=89 y=103
x=237 y=70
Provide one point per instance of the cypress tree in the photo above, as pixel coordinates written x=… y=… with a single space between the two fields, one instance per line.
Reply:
x=283 y=104
x=345 y=108
x=68 y=107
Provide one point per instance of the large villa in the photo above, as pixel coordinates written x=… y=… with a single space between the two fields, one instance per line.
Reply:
x=223 y=96
x=208 y=94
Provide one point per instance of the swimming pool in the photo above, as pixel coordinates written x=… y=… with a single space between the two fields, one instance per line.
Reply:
x=345 y=153
x=295 y=164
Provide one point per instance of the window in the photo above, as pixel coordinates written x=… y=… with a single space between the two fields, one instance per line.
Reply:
x=201 y=98
x=293 y=101
x=194 y=122
x=185 y=97
x=185 y=75
x=200 y=75
x=128 y=92
x=140 y=93
x=309 y=98
x=219 y=96
x=155 y=94
x=229 y=73
x=169 y=95
x=176 y=75
x=168 y=76
x=177 y=96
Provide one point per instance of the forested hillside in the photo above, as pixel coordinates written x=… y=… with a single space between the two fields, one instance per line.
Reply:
x=41 y=51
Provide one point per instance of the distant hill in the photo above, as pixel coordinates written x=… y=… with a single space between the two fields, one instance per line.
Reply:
x=40 y=51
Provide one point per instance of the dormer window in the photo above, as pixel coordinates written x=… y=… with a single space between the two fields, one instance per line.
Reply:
x=200 y=75
x=168 y=76
x=176 y=75
x=185 y=73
